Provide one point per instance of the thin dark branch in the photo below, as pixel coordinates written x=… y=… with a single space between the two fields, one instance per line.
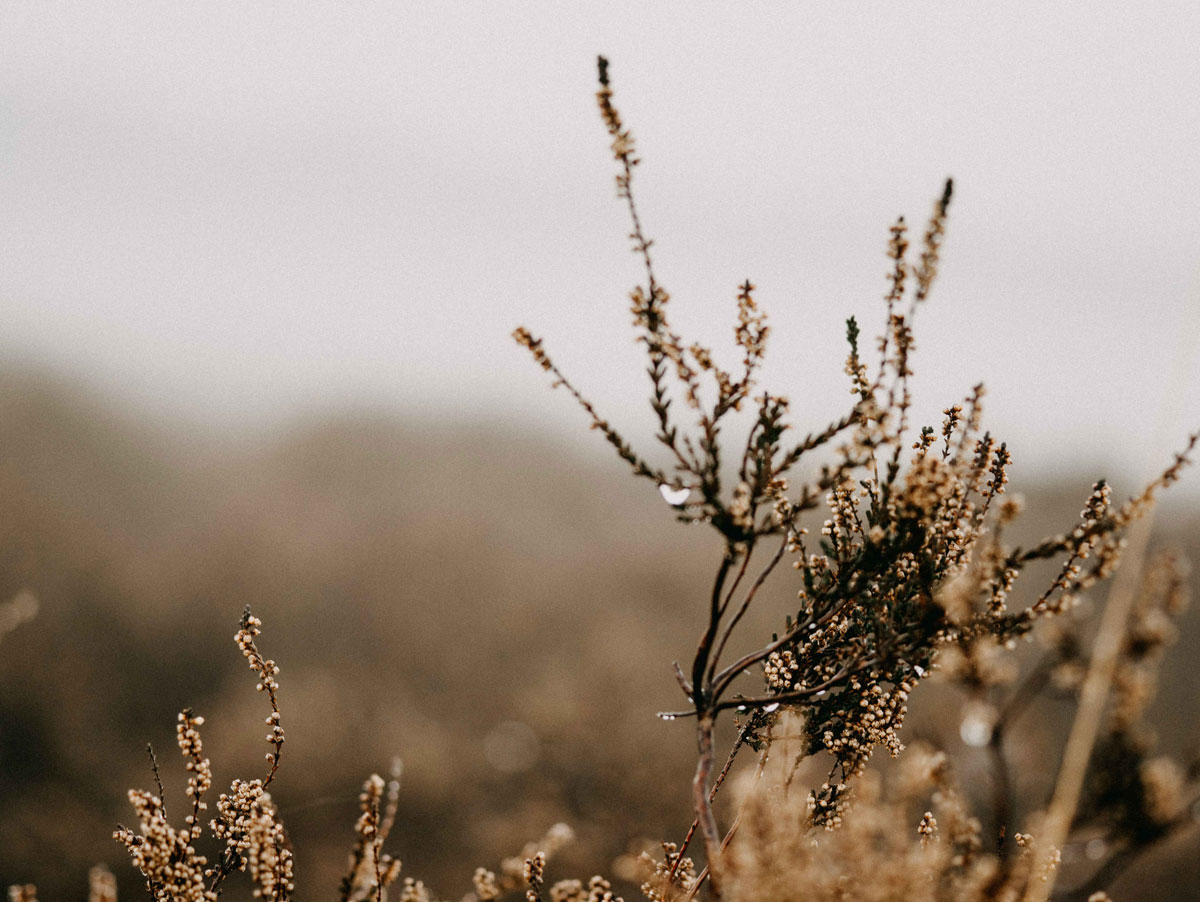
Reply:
x=746 y=602
x=737 y=581
x=798 y=695
x=162 y=796
x=704 y=648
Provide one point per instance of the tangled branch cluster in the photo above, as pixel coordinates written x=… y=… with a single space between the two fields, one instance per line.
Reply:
x=911 y=565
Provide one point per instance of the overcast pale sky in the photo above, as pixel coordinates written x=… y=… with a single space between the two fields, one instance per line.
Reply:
x=242 y=210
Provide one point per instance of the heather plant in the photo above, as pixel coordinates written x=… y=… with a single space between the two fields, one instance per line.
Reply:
x=904 y=573
x=910 y=573
x=246 y=824
x=247 y=828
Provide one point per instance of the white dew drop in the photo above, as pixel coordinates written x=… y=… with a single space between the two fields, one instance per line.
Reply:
x=1095 y=849
x=663 y=715
x=979 y=720
x=771 y=708
x=674 y=496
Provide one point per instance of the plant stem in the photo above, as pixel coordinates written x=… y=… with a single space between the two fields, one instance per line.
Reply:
x=700 y=796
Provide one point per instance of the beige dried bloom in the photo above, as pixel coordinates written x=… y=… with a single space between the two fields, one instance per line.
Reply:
x=246 y=823
x=928 y=827
x=371 y=870
x=671 y=877
x=267 y=671
x=199 y=768
x=568 y=891
x=524 y=869
x=102 y=885
x=871 y=856
x=1163 y=781
x=414 y=891
x=174 y=870
x=486 y=886
x=600 y=890
x=534 y=874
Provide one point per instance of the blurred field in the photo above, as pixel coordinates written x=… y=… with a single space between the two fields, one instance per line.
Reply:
x=486 y=604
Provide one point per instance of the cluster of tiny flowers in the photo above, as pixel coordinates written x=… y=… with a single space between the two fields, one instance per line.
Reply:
x=371 y=870
x=827 y=804
x=781 y=671
x=528 y=869
x=673 y=876
x=870 y=856
x=984 y=662
x=596 y=890
x=535 y=871
x=570 y=890
x=622 y=140
x=275 y=737
x=875 y=720
x=414 y=891
x=254 y=839
x=267 y=671
x=752 y=330
x=174 y=871
x=199 y=767
x=102 y=885
x=534 y=346
x=486 y=886
x=237 y=812
x=265 y=668
x=1163 y=786
x=246 y=821
x=739 y=509
x=1064 y=591
x=1152 y=628
x=600 y=890
x=928 y=827
x=840 y=527
x=269 y=858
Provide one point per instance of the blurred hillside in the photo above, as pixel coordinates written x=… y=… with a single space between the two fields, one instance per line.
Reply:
x=486 y=604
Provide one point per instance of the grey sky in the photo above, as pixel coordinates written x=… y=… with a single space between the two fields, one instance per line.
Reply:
x=242 y=210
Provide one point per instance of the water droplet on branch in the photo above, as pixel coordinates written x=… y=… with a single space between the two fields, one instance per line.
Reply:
x=674 y=496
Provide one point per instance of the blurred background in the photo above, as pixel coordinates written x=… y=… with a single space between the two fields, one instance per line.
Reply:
x=259 y=264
